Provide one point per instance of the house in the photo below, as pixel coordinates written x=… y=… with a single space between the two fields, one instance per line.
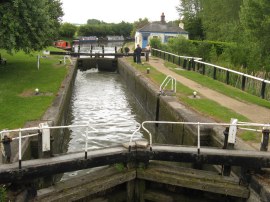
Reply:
x=158 y=29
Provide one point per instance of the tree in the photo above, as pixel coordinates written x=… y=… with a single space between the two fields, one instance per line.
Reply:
x=104 y=29
x=68 y=30
x=29 y=25
x=220 y=19
x=190 y=13
x=137 y=25
x=94 y=22
x=255 y=19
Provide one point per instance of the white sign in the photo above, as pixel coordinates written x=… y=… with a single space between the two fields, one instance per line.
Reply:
x=232 y=131
x=46 y=139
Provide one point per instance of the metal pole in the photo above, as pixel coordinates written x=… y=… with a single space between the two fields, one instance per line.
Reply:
x=86 y=143
x=20 y=149
x=199 y=139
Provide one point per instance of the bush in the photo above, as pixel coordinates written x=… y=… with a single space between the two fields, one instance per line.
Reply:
x=3 y=194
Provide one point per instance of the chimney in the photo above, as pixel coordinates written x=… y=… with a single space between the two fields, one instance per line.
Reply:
x=162 y=18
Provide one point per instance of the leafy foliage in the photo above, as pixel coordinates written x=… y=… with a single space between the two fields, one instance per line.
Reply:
x=3 y=194
x=68 y=30
x=29 y=25
x=137 y=25
x=190 y=12
x=102 y=29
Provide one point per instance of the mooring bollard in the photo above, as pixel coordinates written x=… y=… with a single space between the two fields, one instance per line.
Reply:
x=265 y=139
x=148 y=70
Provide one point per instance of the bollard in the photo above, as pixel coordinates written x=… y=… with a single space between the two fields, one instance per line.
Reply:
x=265 y=140
x=60 y=62
x=148 y=70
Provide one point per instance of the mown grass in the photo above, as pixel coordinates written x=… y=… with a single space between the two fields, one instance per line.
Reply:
x=18 y=80
x=203 y=105
x=219 y=86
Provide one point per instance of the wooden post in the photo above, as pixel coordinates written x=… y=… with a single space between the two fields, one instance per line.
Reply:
x=215 y=73
x=243 y=82
x=265 y=140
x=193 y=64
x=91 y=50
x=189 y=64
x=139 y=190
x=103 y=51
x=227 y=77
x=263 y=90
x=185 y=63
x=179 y=61
x=203 y=71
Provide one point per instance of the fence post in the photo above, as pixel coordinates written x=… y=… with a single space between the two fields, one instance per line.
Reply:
x=215 y=73
x=193 y=64
x=198 y=66
x=263 y=90
x=169 y=57
x=203 y=71
x=265 y=140
x=189 y=64
x=164 y=56
x=227 y=77
x=91 y=50
x=243 y=82
x=179 y=61
x=173 y=59
x=103 y=51
x=185 y=63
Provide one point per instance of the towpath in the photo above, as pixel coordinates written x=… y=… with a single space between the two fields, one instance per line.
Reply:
x=253 y=112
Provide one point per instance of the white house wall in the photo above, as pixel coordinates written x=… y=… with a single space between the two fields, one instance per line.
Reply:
x=161 y=36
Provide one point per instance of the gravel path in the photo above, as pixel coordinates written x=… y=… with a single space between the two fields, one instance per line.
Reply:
x=253 y=112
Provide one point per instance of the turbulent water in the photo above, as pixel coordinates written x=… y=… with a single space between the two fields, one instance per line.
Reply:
x=102 y=100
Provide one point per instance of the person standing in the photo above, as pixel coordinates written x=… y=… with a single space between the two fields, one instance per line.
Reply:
x=138 y=52
x=147 y=52
x=7 y=147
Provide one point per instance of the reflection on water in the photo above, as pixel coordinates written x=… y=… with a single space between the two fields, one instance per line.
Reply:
x=101 y=99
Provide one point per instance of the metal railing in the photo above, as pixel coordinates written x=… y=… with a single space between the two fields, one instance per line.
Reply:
x=165 y=82
x=199 y=124
x=90 y=128
x=192 y=62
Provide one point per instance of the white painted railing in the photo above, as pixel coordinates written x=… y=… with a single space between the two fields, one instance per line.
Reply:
x=90 y=128
x=165 y=82
x=199 y=124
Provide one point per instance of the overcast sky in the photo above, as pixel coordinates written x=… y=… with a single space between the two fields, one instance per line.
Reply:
x=79 y=11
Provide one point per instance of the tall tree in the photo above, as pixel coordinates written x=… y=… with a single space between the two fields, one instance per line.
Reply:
x=137 y=25
x=68 y=30
x=29 y=25
x=220 y=19
x=189 y=11
x=255 y=19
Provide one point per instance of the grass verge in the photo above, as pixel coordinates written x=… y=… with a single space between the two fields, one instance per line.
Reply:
x=219 y=86
x=18 y=80
x=203 y=106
